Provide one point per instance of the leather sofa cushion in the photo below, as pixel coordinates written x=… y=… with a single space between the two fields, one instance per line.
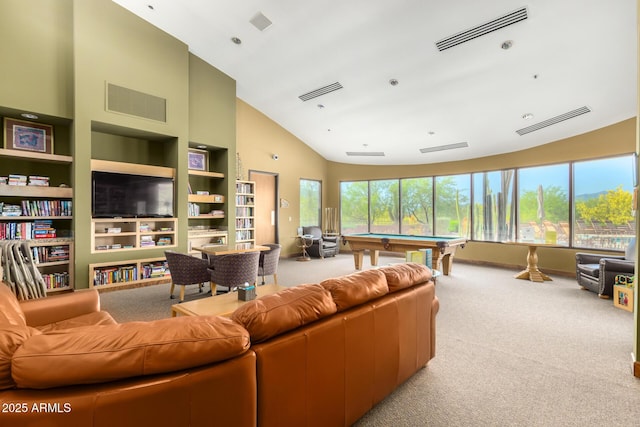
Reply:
x=400 y=276
x=95 y=354
x=357 y=288
x=90 y=319
x=589 y=269
x=11 y=338
x=10 y=311
x=285 y=310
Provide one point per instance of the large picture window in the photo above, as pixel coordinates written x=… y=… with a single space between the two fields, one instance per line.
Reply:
x=493 y=207
x=586 y=204
x=417 y=206
x=384 y=206
x=310 y=202
x=543 y=202
x=354 y=207
x=602 y=207
x=452 y=210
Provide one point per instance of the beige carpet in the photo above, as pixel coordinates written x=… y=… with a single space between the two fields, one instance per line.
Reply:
x=509 y=352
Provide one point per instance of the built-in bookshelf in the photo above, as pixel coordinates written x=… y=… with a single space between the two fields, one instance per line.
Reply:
x=121 y=234
x=52 y=258
x=207 y=201
x=127 y=273
x=36 y=206
x=245 y=213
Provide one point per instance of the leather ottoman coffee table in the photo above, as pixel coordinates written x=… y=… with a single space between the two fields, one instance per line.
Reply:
x=221 y=305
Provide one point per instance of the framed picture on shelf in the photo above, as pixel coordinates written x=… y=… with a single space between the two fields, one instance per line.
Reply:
x=198 y=159
x=28 y=136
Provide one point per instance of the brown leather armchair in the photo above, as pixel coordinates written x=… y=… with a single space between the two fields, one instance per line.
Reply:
x=322 y=246
x=597 y=272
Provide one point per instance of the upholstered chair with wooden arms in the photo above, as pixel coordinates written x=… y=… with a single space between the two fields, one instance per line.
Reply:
x=268 y=263
x=233 y=270
x=186 y=270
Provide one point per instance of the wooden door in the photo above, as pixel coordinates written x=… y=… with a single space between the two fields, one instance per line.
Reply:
x=266 y=210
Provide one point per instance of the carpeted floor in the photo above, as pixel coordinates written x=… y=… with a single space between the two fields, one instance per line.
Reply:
x=509 y=352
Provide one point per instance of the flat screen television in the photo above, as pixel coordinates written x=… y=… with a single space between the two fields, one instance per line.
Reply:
x=117 y=195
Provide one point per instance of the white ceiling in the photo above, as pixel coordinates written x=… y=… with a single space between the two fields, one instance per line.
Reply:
x=566 y=55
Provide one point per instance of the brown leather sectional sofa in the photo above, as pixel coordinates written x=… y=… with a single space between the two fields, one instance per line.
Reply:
x=315 y=354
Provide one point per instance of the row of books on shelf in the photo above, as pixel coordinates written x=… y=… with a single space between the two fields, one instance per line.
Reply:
x=56 y=280
x=38 y=229
x=57 y=253
x=146 y=241
x=129 y=273
x=46 y=207
x=244 y=222
x=16 y=179
x=244 y=211
x=244 y=200
x=242 y=187
x=244 y=235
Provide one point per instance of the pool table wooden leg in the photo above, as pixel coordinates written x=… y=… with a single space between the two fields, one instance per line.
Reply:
x=357 y=259
x=447 y=260
x=374 y=256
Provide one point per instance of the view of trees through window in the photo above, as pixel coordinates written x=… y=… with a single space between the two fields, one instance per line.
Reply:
x=310 y=202
x=580 y=204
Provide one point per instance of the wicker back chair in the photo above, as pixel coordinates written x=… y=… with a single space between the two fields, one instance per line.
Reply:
x=186 y=270
x=232 y=270
x=268 y=263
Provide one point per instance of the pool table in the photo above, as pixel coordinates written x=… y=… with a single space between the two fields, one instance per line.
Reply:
x=443 y=248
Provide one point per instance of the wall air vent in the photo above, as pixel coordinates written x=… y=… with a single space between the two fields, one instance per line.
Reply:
x=552 y=121
x=366 y=153
x=444 y=147
x=322 y=91
x=481 y=30
x=134 y=103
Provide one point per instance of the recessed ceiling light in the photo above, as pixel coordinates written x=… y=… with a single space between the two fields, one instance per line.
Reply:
x=527 y=116
x=150 y=6
x=236 y=40
x=393 y=82
x=320 y=106
x=431 y=132
x=507 y=44
x=29 y=116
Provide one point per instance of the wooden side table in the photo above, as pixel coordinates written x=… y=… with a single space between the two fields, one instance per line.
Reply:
x=303 y=242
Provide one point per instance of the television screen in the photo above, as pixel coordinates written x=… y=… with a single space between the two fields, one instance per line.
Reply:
x=131 y=196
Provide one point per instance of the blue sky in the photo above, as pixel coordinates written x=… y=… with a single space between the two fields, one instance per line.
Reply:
x=592 y=176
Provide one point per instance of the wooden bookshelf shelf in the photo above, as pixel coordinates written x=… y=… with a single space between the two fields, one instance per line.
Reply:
x=25 y=191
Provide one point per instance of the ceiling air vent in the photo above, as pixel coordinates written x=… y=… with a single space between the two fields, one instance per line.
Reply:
x=552 y=121
x=366 y=153
x=260 y=21
x=322 y=91
x=444 y=147
x=481 y=30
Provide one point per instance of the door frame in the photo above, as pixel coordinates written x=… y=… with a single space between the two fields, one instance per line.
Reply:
x=276 y=195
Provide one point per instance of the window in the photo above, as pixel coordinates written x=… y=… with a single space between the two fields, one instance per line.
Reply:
x=354 y=207
x=452 y=207
x=579 y=204
x=310 y=202
x=384 y=206
x=493 y=207
x=543 y=204
x=602 y=207
x=417 y=206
